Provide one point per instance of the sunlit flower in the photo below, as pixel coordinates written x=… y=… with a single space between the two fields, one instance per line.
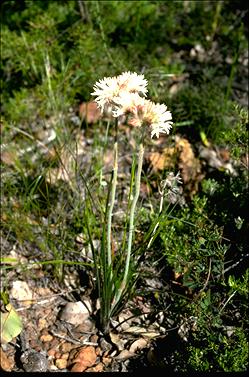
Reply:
x=160 y=119
x=127 y=103
x=133 y=83
x=105 y=90
x=143 y=112
x=121 y=94
x=109 y=88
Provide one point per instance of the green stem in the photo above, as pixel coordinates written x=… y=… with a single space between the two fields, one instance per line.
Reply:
x=131 y=225
x=111 y=205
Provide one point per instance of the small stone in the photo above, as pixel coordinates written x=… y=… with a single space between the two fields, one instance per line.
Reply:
x=54 y=344
x=51 y=352
x=67 y=347
x=42 y=324
x=138 y=345
x=98 y=351
x=98 y=368
x=33 y=361
x=65 y=356
x=46 y=338
x=78 y=367
x=94 y=338
x=44 y=332
x=61 y=363
x=84 y=358
x=57 y=355
x=21 y=292
x=86 y=327
x=80 y=238
x=5 y=363
x=106 y=360
x=76 y=312
x=125 y=354
x=53 y=367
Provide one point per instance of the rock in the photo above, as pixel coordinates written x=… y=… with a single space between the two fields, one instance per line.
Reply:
x=42 y=324
x=84 y=358
x=86 y=327
x=51 y=353
x=78 y=368
x=65 y=356
x=5 y=363
x=34 y=361
x=46 y=338
x=106 y=360
x=76 y=312
x=57 y=355
x=124 y=355
x=138 y=345
x=67 y=347
x=61 y=363
x=98 y=368
x=94 y=338
x=21 y=292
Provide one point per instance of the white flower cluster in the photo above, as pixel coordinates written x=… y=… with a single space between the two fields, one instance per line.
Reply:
x=122 y=93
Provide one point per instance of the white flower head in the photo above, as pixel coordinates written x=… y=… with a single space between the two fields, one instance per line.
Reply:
x=109 y=88
x=105 y=90
x=133 y=83
x=161 y=120
x=127 y=103
x=154 y=115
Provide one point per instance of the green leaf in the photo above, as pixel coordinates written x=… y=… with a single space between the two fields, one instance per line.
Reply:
x=11 y=324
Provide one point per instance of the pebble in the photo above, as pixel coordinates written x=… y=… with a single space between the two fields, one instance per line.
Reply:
x=46 y=338
x=138 y=345
x=85 y=327
x=44 y=332
x=97 y=368
x=125 y=354
x=5 y=363
x=94 y=338
x=67 y=347
x=84 y=358
x=33 y=361
x=51 y=352
x=106 y=360
x=61 y=363
x=42 y=324
x=76 y=312
x=65 y=356
x=57 y=355
x=21 y=292
x=54 y=344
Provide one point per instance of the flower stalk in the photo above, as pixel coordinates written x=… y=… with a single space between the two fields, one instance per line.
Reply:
x=131 y=225
x=110 y=207
x=125 y=96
